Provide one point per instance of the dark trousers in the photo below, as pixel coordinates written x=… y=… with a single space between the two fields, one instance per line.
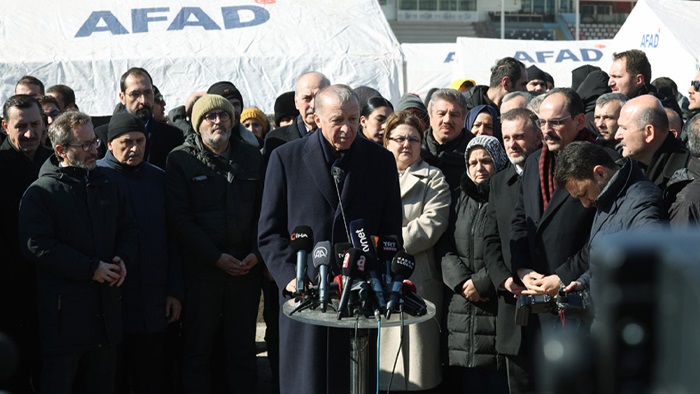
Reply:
x=271 y=310
x=474 y=380
x=233 y=306
x=86 y=372
x=142 y=364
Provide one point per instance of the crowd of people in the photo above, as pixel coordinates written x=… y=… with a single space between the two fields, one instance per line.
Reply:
x=137 y=251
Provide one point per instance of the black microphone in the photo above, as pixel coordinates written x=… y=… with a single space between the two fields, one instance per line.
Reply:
x=349 y=273
x=340 y=250
x=338 y=175
x=321 y=257
x=302 y=240
x=387 y=247
x=361 y=240
x=402 y=267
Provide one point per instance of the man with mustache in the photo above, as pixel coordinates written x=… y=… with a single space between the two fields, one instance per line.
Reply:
x=151 y=297
x=549 y=228
x=76 y=227
x=446 y=139
x=137 y=96
x=213 y=191
x=21 y=156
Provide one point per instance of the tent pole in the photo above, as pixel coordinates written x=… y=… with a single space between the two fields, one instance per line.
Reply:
x=503 y=19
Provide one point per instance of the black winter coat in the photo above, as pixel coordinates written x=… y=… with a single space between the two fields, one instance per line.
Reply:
x=213 y=204
x=157 y=271
x=471 y=326
x=449 y=157
x=70 y=219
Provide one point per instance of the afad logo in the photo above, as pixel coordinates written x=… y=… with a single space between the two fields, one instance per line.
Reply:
x=650 y=40
x=563 y=55
x=142 y=19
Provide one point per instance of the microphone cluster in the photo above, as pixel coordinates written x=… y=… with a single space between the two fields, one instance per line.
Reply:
x=372 y=281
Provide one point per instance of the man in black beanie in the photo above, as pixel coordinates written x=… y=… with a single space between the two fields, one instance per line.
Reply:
x=285 y=111
x=536 y=80
x=151 y=297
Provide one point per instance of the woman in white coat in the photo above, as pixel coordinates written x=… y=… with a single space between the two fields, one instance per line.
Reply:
x=425 y=197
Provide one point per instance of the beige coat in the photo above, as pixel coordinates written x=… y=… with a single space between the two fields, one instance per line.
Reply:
x=425 y=197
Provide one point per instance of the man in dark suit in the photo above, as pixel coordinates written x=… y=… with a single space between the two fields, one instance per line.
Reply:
x=299 y=190
x=137 y=96
x=21 y=156
x=521 y=137
x=550 y=227
x=307 y=85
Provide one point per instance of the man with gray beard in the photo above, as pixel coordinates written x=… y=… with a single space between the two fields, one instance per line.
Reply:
x=521 y=137
x=213 y=190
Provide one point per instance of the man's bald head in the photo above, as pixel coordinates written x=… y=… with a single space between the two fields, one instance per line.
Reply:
x=643 y=127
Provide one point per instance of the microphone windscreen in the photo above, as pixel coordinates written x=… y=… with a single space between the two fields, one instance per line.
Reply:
x=340 y=250
x=408 y=287
x=302 y=238
x=349 y=267
x=321 y=254
x=387 y=247
x=403 y=264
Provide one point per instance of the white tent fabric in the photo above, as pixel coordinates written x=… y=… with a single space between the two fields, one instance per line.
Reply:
x=666 y=30
x=476 y=56
x=260 y=46
x=428 y=66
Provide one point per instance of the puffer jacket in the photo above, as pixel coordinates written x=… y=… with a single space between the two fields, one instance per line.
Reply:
x=70 y=219
x=213 y=204
x=471 y=326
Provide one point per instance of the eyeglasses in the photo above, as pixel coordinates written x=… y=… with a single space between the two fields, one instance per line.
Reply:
x=53 y=114
x=135 y=94
x=401 y=139
x=87 y=146
x=222 y=115
x=160 y=101
x=695 y=85
x=554 y=122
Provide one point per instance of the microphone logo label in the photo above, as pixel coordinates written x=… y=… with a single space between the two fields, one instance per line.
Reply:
x=361 y=263
x=298 y=236
x=390 y=246
x=363 y=239
x=346 y=260
x=406 y=262
x=320 y=252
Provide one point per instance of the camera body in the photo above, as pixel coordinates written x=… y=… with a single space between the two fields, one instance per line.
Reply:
x=573 y=304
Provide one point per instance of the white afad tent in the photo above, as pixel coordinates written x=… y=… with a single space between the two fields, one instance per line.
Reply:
x=261 y=46
x=666 y=30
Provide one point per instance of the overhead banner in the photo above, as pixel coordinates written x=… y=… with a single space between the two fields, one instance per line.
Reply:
x=476 y=56
x=428 y=66
x=261 y=46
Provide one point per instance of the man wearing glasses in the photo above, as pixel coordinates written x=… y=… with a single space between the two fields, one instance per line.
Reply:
x=76 y=227
x=21 y=156
x=549 y=227
x=138 y=97
x=213 y=191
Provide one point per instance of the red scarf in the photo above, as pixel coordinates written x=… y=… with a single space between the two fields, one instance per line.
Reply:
x=547 y=163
